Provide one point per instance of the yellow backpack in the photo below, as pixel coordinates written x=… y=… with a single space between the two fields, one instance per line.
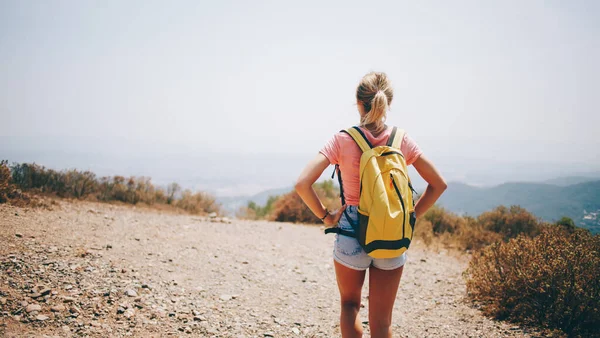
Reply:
x=386 y=213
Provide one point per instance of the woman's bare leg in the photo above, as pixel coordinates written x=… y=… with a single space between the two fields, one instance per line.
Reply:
x=350 y=283
x=383 y=286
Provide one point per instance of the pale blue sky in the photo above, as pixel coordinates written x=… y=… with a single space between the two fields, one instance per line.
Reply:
x=474 y=80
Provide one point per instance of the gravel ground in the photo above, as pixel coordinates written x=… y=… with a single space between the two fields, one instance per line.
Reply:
x=92 y=269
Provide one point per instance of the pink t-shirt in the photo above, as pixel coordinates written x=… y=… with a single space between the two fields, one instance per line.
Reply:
x=341 y=149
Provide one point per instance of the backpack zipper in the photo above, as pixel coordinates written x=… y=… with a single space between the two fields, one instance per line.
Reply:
x=401 y=202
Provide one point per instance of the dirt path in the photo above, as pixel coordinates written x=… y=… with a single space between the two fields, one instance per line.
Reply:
x=104 y=270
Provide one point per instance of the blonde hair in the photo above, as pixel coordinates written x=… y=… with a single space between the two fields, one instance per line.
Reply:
x=375 y=93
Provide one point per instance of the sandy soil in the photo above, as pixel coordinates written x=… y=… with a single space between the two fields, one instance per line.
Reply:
x=91 y=269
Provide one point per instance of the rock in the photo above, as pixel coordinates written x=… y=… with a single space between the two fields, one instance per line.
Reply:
x=187 y=329
x=40 y=291
x=66 y=329
x=42 y=318
x=68 y=299
x=131 y=293
x=58 y=308
x=146 y=286
x=199 y=318
x=3 y=301
x=19 y=235
x=120 y=310
x=296 y=331
x=33 y=307
x=129 y=313
x=225 y=297
x=212 y=215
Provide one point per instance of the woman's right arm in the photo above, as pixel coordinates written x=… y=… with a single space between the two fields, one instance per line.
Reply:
x=435 y=185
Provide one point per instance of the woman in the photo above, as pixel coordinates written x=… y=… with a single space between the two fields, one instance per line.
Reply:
x=373 y=95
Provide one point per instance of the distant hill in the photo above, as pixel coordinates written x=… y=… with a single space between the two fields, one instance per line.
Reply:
x=571 y=180
x=547 y=201
x=233 y=204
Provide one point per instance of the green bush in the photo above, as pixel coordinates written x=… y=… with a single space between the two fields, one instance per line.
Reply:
x=550 y=280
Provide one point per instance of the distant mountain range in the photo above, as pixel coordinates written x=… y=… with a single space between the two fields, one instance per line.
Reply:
x=576 y=197
x=233 y=204
x=547 y=201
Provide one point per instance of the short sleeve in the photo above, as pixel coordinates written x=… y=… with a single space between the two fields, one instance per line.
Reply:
x=410 y=149
x=331 y=150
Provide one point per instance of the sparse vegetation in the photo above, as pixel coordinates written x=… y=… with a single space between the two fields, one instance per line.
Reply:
x=550 y=280
x=8 y=191
x=291 y=208
x=85 y=185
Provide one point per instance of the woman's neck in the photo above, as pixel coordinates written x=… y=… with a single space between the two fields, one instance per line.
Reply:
x=374 y=129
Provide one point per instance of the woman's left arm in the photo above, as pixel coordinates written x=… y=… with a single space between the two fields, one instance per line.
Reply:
x=304 y=188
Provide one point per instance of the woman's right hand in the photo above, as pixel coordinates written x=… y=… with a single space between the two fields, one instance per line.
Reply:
x=333 y=218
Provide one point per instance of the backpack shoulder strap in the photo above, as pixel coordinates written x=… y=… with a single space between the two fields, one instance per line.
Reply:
x=396 y=137
x=359 y=137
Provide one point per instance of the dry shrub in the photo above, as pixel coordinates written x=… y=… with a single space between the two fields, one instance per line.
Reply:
x=453 y=231
x=474 y=236
x=443 y=221
x=197 y=203
x=85 y=185
x=510 y=222
x=291 y=208
x=424 y=231
x=8 y=191
x=550 y=280
x=6 y=188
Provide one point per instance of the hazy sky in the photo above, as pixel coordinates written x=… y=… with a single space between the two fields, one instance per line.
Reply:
x=473 y=80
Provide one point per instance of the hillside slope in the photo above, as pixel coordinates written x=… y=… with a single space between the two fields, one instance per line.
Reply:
x=550 y=202
x=129 y=271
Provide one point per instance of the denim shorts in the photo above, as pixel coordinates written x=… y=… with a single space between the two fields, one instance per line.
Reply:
x=348 y=252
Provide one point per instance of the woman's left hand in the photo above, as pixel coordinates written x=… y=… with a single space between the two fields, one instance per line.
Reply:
x=334 y=217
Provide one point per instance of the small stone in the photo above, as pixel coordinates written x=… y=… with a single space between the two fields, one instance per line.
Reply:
x=187 y=329
x=33 y=307
x=24 y=304
x=68 y=299
x=120 y=310
x=129 y=313
x=123 y=270
x=66 y=329
x=131 y=293
x=3 y=301
x=19 y=235
x=269 y=334
x=42 y=318
x=58 y=308
x=212 y=215
x=296 y=331
x=146 y=286
x=199 y=318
